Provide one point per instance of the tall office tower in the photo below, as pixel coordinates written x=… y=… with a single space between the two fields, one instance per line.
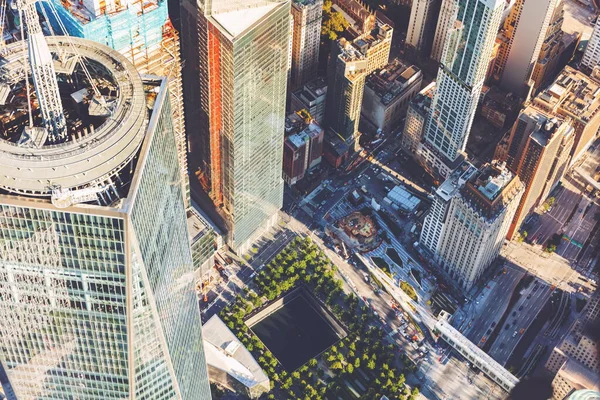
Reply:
x=468 y=222
x=143 y=33
x=591 y=57
x=306 y=40
x=349 y=64
x=96 y=274
x=421 y=25
x=446 y=18
x=574 y=95
x=522 y=36
x=235 y=89
x=461 y=76
x=538 y=151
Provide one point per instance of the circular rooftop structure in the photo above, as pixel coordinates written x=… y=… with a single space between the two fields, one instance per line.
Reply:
x=104 y=132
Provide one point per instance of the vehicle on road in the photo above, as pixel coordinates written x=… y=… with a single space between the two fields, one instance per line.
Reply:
x=515 y=334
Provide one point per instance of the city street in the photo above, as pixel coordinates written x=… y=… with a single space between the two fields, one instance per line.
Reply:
x=519 y=318
x=485 y=311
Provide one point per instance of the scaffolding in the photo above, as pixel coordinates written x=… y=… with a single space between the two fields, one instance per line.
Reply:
x=143 y=33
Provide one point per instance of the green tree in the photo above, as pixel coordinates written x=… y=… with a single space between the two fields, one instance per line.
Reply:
x=371 y=364
x=333 y=22
x=312 y=362
x=349 y=368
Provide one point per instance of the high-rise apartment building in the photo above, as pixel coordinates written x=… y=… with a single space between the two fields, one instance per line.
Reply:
x=143 y=33
x=574 y=95
x=96 y=273
x=591 y=56
x=461 y=76
x=522 y=37
x=537 y=150
x=306 y=39
x=446 y=18
x=349 y=64
x=421 y=25
x=469 y=218
x=235 y=88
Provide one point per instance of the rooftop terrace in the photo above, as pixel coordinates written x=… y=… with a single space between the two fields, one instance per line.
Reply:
x=393 y=80
x=573 y=93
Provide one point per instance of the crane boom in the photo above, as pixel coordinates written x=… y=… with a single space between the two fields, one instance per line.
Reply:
x=43 y=73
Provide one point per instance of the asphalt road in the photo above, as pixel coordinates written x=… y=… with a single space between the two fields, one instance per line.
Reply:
x=521 y=315
x=492 y=305
x=578 y=230
x=551 y=222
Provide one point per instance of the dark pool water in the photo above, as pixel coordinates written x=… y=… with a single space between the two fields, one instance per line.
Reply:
x=295 y=333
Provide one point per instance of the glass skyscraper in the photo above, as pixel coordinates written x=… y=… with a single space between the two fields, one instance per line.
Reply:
x=96 y=278
x=468 y=46
x=235 y=91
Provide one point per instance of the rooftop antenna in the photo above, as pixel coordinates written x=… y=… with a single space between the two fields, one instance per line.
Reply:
x=43 y=73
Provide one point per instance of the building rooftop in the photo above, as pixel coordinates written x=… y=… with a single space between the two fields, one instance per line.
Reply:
x=391 y=81
x=491 y=189
x=236 y=20
x=573 y=93
x=452 y=185
x=404 y=198
x=422 y=101
x=196 y=224
x=98 y=150
x=300 y=127
x=579 y=375
x=226 y=353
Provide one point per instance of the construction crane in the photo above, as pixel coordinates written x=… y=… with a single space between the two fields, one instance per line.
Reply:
x=43 y=74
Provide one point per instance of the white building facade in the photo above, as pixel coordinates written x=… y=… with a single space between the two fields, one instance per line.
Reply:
x=591 y=57
x=462 y=72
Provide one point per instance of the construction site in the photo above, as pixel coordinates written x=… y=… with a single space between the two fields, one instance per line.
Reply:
x=141 y=31
x=71 y=158
x=355 y=231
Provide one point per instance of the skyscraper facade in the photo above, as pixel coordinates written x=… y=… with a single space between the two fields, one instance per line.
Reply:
x=461 y=76
x=522 y=37
x=591 y=57
x=469 y=220
x=446 y=18
x=422 y=23
x=538 y=152
x=235 y=88
x=349 y=64
x=96 y=274
x=143 y=33
x=306 y=39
